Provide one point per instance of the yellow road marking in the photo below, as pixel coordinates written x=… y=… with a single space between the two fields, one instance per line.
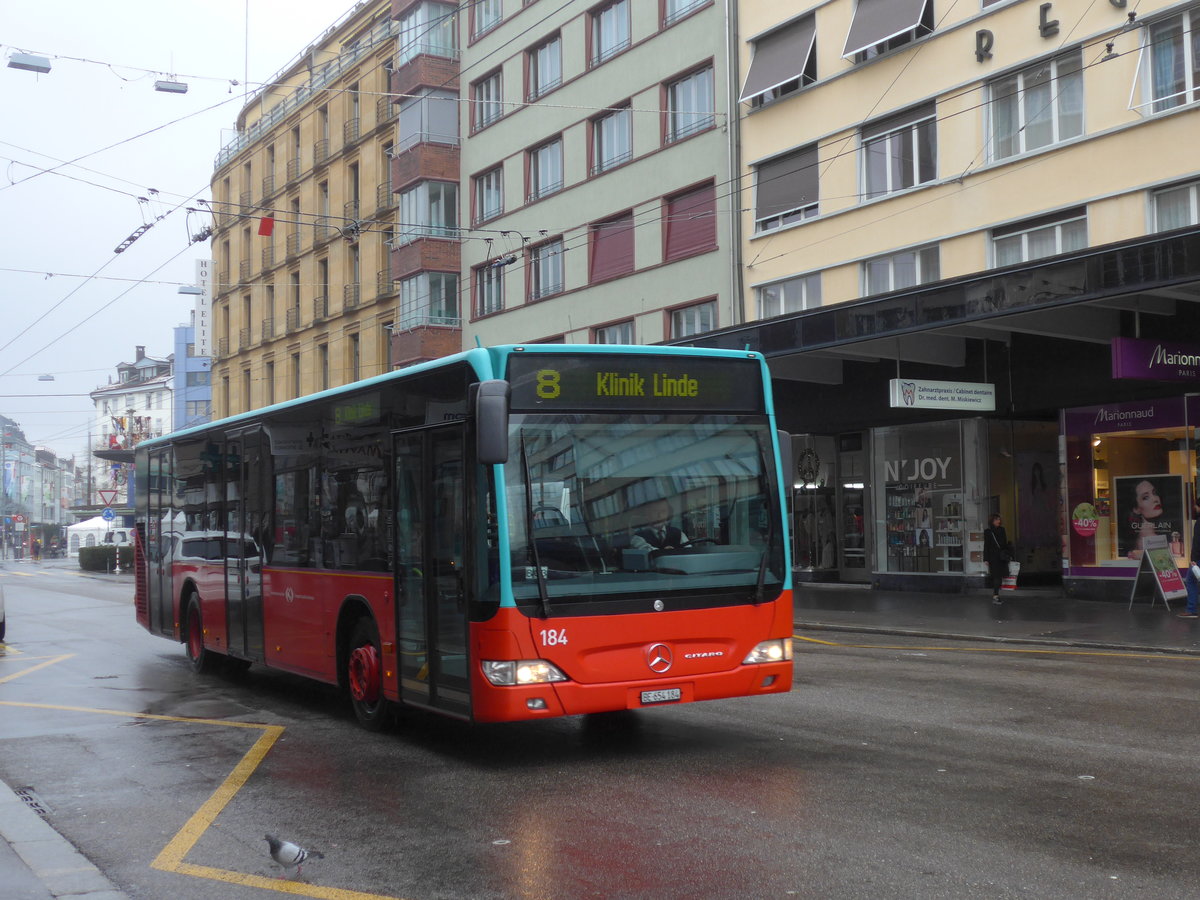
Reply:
x=1121 y=654
x=171 y=858
x=49 y=662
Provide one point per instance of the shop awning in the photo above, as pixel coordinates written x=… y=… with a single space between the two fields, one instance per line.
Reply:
x=876 y=21
x=779 y=57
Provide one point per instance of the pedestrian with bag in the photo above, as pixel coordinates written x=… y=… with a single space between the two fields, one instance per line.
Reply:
x=997 y=553
x=1191 y=578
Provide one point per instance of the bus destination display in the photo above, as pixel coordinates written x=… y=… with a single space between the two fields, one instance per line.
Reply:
x=545 y=381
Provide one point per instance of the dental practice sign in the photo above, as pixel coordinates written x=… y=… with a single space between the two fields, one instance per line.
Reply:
x=919 y=394
x=1149 y=360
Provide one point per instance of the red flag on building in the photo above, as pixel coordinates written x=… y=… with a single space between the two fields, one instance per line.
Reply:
x=266 y=225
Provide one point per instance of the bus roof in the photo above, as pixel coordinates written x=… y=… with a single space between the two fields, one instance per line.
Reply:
x=486 y=362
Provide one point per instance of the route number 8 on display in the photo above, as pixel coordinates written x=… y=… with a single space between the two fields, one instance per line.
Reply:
x=549 y=384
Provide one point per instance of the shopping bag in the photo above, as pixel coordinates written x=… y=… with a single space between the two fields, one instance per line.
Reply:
x=1009 y=582
x=1196 y=571
x=1014 y=569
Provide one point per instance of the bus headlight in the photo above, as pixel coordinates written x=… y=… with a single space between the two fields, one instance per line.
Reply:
x=769 y=652
x=507 y=672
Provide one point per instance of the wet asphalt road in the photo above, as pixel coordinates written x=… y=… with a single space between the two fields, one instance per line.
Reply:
x=895 y=768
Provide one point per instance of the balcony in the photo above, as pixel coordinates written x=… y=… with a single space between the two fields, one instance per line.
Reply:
x=426 y=157
x=293 y=245
x=351 y=131
x=268 y=186
x=243 y=339
x=384 y=285
x=222 y=347
x=385 y=110
x=320 y=308
x=268 y=328
x=351 y=296
x=245 y=204
x=422 y=340
x=268 y=256
x=244 y=272
x=324 y=229
x=320 y=151
x=385 y=197
x=293 y=169
x=223 y=283
x=425 y=69
x=350 y=210
x=293 y=319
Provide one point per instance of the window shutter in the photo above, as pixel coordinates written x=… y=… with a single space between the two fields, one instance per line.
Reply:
x=612 y=248
x=691 y=225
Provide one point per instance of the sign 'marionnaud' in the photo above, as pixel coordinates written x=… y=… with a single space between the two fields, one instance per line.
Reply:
x=917 y=394
x=1155 y=360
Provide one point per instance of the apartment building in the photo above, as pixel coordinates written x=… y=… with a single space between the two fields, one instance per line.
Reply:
x=995 y=199
x=596 y=147
x=304 y=214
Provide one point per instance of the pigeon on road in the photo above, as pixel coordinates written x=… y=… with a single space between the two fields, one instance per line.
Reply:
x=290 y=855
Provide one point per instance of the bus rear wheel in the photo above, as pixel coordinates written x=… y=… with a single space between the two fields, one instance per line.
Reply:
x=364 y=677
x=202 y=659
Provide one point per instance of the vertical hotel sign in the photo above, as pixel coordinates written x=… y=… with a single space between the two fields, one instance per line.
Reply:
x=203 y=323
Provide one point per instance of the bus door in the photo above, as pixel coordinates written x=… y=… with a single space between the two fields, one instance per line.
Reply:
x=248 y=499
x=431 y=583
x=160 y=542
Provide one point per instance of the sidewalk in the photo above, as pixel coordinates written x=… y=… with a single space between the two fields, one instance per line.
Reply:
x=1043 y=617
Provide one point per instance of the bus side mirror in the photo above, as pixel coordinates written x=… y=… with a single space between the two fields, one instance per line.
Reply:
x=785 y=459
x=491 y=422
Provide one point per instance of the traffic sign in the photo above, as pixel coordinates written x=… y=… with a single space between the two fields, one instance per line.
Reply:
x=108 y=514
x=108 y=498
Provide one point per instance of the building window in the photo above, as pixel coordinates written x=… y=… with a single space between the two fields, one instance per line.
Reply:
x=1040 y=237
x=1037 y=107
x=690 y=105
x=611 y=248
x=786 y=189
x=545 y=169
x=880 y=27
x=546 y=269
x=485 y=95
x=618 y=333
x=1177 y=207
x=691 y=223
x=489 y=289
x=610 y=31
x=427 y=28
x=269 y=383
x=428 y=209
x=789 y=296
x=429 y=298
x=1174 y=46
x=695 y=319
x=545 y=67
x=197 y=379
x=674 y=10
x=784 y=61
x=296 y=372
x=430 y=117
x=612 y=140
x=323 y=366
x=486 y=15
x=900 y=151
x=900 y=270
x=489 y=194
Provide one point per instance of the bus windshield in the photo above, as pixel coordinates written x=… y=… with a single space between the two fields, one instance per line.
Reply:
x=625 y=509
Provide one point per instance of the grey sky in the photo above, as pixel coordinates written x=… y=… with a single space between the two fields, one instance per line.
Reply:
x=56 y=227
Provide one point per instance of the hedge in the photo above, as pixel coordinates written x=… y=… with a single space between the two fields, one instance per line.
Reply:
x=104 y=558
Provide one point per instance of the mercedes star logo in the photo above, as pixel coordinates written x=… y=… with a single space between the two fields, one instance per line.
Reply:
x=659 y=658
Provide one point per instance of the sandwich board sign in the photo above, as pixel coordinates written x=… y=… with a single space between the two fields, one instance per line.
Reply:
x=1157 y=575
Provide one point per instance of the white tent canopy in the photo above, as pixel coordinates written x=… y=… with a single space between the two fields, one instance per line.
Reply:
x=91 y=533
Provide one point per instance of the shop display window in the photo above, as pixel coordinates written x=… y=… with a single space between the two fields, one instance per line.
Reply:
x=1131 y=474
x=925 y=514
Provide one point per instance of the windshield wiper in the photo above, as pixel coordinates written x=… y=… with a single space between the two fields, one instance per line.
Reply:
x=763 y=486
x=543 y=593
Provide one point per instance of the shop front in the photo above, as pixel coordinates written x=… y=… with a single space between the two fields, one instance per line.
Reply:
x=1131 y=474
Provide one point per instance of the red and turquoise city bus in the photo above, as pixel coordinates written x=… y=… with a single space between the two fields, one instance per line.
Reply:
x=477 y=535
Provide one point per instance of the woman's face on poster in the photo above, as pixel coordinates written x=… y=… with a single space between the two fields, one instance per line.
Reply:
x=1146 y=501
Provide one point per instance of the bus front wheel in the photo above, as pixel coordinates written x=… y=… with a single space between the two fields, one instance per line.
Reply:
x=202 y=659
x=364 y=677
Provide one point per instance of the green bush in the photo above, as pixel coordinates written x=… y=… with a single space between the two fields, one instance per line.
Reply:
x=104 y=558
